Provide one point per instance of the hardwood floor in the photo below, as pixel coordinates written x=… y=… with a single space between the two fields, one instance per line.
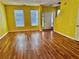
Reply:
x=38 y=45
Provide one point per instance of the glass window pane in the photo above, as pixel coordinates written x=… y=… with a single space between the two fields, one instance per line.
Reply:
x=34 y=17
x=19 y=18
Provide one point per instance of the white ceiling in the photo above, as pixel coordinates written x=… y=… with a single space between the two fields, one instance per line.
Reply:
x=31 y=2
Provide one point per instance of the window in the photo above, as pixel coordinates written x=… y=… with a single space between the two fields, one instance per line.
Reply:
x=34 y=17
x=19 y=18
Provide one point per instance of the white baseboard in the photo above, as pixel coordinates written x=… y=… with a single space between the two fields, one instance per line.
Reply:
x=65 y=35
x=3 y=35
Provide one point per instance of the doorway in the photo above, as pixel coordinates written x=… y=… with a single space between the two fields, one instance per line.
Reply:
x=47 y=20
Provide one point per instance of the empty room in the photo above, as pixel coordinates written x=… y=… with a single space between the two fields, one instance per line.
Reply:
x=39 y=29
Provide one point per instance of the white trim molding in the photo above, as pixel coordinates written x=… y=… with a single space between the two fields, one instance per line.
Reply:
x=3 y=35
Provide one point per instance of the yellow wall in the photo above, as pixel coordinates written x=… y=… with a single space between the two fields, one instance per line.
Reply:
x=48 y=9
x=65 y=23
x=3 y=24
x=11 y=21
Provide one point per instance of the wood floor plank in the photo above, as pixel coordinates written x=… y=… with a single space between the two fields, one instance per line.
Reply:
x=38 y=45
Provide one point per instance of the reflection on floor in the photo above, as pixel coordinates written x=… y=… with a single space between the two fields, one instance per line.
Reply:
x=38 y=45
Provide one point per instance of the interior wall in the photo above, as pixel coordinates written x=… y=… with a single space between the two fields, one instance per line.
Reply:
x=3 y=23
x=48 y=8
x=11 y=20
x=65 y=23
